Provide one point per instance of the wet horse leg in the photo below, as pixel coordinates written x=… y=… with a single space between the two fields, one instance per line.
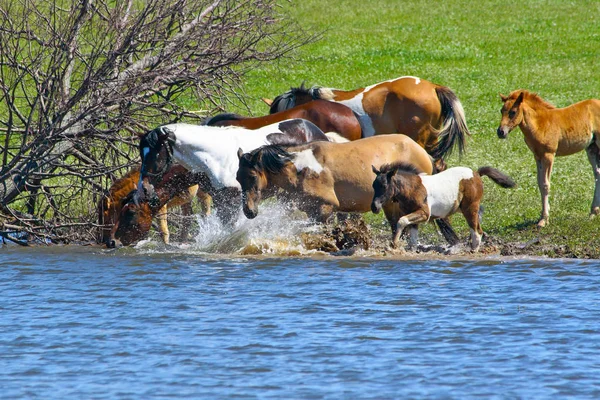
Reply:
x=544 y=173
x=205 y=201
x=415 y=218
x=163 y=227
x=471 y=213
x=593 y=154
x=186 y=211
x=227 y=203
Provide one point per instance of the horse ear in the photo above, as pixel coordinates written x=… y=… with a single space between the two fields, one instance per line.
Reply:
x=375 y=170
x=268 y=102
x=240 y=153
x=519 y=100
x=164 y=132
x=503 y=97
x=391 y=174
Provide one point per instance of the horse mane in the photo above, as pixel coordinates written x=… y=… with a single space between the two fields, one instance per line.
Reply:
x=271 y=158
x=287 y=100
x=212 y=121
x=533 y=97
x=400 y=166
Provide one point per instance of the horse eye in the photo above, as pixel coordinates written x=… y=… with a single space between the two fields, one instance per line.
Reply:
x=512 y=113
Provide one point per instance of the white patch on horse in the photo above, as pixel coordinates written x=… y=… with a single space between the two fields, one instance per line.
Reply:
x=306 y=159
x=443 y=190
x=336 y=137
x=355 y=104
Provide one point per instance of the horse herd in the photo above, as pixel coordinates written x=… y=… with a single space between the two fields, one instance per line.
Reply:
x=385 y=147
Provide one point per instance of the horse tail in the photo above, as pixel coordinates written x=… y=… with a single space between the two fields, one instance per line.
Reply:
x=447 y=231
x=498 y=177
x=454 y=130
x=215 y=120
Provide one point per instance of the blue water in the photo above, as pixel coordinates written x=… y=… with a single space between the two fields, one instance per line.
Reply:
x=85 y=323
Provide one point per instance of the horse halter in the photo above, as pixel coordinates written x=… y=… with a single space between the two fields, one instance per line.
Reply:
x=169 y=149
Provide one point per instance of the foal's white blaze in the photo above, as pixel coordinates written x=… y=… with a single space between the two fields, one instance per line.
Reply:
x=443 y=190
x=306 y=159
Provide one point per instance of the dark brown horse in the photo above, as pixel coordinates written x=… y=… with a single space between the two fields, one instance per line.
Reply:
x=424 y=197
x=430 y=114
x=135 y=222
x=328 y=116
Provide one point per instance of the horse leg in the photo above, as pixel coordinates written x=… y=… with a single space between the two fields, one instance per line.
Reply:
x=470 y=211
x=593 y=154
x=413 y=237
x=544 y=172
x=186 y=211
x=392 y=214
x=415 y=218
x=205 y=201
x=163 y=227
x=227 y=203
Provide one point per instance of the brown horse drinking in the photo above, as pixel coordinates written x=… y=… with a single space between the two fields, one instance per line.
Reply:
x=422 y=197
x=430 y=114
x=323 y=176
x=120 y=194
x=328 y=116
x=551 y=132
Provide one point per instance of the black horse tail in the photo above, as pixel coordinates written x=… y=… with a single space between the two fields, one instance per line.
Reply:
x=454 y=129
x=221 y=119
x=498 y=177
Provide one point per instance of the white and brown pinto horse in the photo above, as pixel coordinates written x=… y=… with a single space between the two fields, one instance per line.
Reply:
x=324 y=177
x=212 y=151
x=421 y=198
x=430 y=114
x=550 y=132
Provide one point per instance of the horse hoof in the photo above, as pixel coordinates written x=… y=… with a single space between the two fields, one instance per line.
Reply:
x=542 y=223
x=595 y=211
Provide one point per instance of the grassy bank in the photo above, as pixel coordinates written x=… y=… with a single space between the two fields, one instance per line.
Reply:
x=478 y=49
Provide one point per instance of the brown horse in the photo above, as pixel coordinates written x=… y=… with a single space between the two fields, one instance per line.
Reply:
x=328 y=116
x=422 y=197
x=323 y=176
x=430 y=114
x=121 y=192
x=551 y=132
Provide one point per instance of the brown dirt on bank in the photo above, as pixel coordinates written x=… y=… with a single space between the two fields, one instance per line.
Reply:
x=350 y=236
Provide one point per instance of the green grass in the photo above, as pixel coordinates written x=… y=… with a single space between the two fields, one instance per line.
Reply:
x=478 y=49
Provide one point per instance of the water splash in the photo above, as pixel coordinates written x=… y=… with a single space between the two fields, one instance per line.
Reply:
x=275 y=230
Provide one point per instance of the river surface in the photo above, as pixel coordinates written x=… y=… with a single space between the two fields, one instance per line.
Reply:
x=87 y=323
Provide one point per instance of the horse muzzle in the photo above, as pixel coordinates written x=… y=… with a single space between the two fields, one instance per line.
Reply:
x=250 y=213
x=375 y=207
x=502 y=132
x=113 y=243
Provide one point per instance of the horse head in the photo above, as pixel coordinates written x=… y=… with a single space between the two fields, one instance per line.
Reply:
x=388 y=181
x=156 y=152
x=382 y=188
x=293 y=97
x=132 y=225
x=254 y=171
x=512 y=113
x=252 y=179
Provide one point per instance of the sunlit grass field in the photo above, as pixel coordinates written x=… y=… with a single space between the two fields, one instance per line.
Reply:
x=478 y=49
